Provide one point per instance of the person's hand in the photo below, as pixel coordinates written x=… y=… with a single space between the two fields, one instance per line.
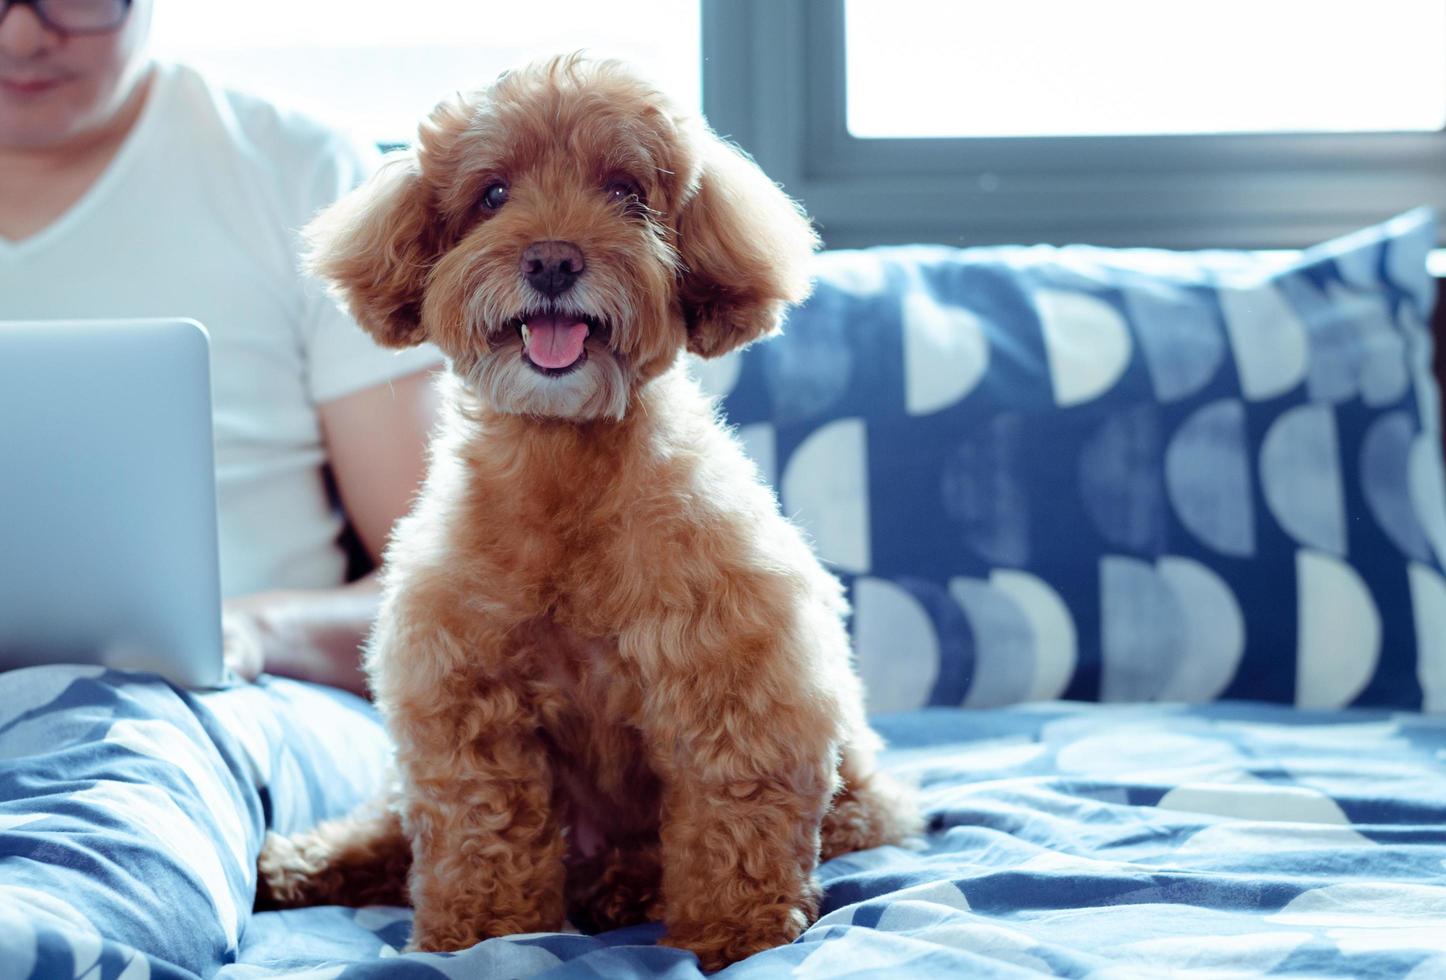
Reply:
x=243 y=644
x=308 y=635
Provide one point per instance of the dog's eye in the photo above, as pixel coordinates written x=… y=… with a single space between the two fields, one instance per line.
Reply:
x=494 y=196
x=620 y=190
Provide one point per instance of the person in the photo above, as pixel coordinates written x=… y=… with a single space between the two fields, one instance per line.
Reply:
x=131 y=188
x=131 y=811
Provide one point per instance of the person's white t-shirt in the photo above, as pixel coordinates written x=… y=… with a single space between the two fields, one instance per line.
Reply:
x=197 y=216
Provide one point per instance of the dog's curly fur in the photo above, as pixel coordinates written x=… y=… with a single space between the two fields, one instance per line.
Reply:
x=617 y=678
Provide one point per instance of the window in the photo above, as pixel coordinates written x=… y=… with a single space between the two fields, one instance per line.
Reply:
x=918 y=68
x=376 y=68
x=1060 y=121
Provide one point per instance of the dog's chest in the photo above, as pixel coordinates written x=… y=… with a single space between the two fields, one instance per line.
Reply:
x=583 y=542
x=569 y=667
x=587 y=703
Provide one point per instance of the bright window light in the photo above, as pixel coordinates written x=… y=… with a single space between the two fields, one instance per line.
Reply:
x=375 y=68
x=924 y=68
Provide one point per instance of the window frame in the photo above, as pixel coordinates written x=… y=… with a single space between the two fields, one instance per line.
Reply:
x=774 y=81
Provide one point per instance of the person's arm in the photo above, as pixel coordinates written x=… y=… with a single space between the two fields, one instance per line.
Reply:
x=376 y=441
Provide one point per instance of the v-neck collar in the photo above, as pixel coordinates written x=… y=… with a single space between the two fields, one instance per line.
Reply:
x=112 y=174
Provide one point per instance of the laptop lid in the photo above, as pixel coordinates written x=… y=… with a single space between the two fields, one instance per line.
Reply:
x=108 y=546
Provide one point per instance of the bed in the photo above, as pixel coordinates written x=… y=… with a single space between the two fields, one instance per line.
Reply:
x=1065 y=839
x=1145 y=556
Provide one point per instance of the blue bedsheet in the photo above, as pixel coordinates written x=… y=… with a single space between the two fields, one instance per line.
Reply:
x=1065 y=839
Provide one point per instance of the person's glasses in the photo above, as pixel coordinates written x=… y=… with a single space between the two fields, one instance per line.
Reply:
x=74 y=16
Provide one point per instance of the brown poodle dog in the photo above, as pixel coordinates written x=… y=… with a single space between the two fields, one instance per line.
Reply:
x=617 y=679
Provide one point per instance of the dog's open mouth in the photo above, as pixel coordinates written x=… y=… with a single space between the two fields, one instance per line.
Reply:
x=555 y=342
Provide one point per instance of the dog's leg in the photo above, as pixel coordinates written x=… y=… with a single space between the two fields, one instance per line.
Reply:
x=738 y=861
x=619 y=886
x=748 y=762
x=487 y=846
x=476 y=783
x=361 y=859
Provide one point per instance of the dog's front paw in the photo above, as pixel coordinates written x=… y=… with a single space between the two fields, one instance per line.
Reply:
x=450 y=936
x=723 y=941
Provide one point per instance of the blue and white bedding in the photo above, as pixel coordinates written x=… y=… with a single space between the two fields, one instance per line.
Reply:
x=1065 y=839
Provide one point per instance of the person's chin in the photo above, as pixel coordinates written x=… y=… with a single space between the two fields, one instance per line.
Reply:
x=20 y=133
x=37 y=123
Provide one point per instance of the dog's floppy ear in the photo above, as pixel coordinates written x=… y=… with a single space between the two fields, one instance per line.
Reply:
x=744 y=248
x=374 y=248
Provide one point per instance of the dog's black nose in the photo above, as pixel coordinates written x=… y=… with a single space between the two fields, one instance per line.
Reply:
x=552 y=267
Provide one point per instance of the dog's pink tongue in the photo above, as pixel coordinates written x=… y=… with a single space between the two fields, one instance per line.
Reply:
x=555 y=342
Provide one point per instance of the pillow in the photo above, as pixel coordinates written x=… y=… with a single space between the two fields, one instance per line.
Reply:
x=1119 y=475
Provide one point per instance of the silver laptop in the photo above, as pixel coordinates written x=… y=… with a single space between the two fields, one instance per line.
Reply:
x=108 y=550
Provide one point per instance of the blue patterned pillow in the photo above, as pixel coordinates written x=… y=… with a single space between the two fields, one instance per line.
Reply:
x=1119 y=475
